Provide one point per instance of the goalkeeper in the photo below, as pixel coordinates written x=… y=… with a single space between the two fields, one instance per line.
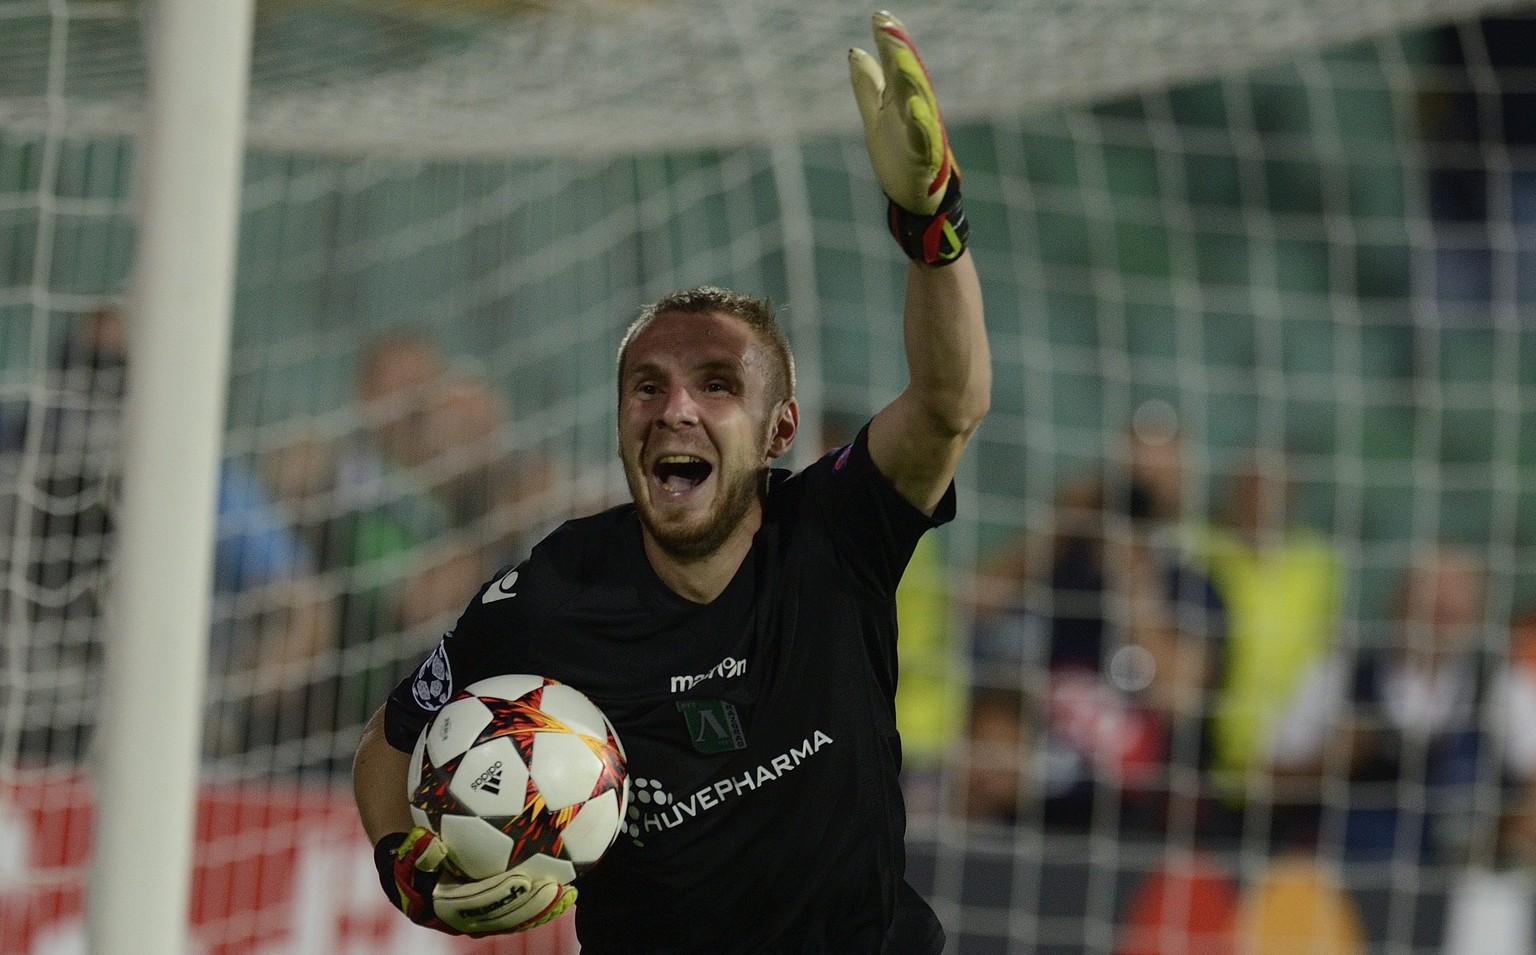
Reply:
x=736 y=622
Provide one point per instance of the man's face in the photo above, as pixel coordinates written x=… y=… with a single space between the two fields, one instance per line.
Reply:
x=697 y=429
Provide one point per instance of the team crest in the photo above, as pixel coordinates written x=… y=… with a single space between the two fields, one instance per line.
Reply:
x=714 y=726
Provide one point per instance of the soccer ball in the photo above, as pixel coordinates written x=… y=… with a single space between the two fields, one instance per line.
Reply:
x=520 y=771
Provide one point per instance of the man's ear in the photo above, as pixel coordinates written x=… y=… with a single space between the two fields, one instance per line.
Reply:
x=786 y=421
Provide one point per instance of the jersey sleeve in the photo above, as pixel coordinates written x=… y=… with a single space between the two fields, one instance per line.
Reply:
x=473 y=650
x=874 y=528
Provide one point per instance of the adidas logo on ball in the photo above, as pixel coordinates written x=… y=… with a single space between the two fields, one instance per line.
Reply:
x=490 y=780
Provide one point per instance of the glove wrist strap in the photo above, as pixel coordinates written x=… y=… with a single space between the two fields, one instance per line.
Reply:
x=409 y=891
x=933 y=240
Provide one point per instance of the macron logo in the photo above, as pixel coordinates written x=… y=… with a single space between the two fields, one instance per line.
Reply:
x=725 y=669
x=501 y=589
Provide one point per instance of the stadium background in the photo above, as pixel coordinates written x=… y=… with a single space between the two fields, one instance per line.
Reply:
x=1264 y=239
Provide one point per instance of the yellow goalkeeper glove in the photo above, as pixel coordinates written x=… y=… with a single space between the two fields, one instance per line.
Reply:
x=908 y=145
x=414 y=870
x=513 y=901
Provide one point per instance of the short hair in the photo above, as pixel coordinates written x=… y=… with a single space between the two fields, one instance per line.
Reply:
x=710 y=300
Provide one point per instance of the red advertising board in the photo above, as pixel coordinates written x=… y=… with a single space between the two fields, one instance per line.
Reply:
x=281 y=868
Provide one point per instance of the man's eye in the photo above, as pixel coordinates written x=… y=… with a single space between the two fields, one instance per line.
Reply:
x=717 y=387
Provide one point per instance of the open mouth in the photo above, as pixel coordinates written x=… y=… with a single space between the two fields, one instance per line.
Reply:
x=679 y=473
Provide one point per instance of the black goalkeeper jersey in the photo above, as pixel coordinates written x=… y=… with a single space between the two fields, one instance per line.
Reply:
x=760 y=729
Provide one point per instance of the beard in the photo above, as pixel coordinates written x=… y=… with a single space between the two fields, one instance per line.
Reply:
x=695 y=542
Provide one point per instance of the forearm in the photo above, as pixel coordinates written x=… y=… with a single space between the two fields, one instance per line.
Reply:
x=379 y=773
x=948 y=359
x=916 y=441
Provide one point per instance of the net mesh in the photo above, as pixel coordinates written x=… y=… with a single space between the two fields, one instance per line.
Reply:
x=1289 y=241
x=520 y=77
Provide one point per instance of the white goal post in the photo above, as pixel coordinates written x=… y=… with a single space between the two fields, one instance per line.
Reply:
x=189 y=161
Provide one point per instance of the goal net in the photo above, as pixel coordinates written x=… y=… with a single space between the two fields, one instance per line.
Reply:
x=1230 y=637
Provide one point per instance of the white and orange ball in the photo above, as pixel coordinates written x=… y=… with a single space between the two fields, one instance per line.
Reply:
x=520 y=771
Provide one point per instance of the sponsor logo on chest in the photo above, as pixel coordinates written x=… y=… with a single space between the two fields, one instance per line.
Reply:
x=654 y=808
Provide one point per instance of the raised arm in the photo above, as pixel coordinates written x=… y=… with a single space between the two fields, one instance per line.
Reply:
x=917 y=439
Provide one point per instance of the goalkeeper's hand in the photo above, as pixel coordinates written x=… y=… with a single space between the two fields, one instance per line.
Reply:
x=416 y=875
x=908 y=145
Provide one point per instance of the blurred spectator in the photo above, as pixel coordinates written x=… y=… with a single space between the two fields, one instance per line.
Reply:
x=274 y=625
x=270 y=618
x=504 y=500
x=1187 y=904
x=413 y=510
x=995 y=775
x=1128 y=633
x=465 y=447
x=361 y=500
x=1153 y=482
x=1426 y=722
x=400 y=378
x=1149 y=482
x=1517 y=837
x=380 y=536
x=1282 y=587
x=1299 y=903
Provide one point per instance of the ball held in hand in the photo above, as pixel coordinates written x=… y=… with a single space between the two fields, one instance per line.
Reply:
x=520 y=772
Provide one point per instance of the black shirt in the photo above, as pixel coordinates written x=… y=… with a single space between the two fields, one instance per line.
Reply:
x=765 y=811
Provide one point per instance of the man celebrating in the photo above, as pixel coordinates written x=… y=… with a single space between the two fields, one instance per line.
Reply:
x=735 y=622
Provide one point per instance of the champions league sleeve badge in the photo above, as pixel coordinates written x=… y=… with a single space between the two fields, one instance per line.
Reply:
x=434 y=681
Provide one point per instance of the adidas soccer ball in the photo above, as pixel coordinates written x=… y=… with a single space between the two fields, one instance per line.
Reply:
x=520 y=771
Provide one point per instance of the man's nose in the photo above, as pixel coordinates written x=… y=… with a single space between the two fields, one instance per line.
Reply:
x=680 y=410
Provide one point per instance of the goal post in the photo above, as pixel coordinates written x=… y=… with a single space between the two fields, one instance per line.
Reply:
x=187 y=190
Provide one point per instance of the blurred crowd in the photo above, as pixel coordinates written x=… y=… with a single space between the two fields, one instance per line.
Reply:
x=1139 y=670
x=343 y=550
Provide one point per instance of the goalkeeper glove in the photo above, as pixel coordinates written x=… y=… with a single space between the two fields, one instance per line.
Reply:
x=908 y=146
x=416 y=874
